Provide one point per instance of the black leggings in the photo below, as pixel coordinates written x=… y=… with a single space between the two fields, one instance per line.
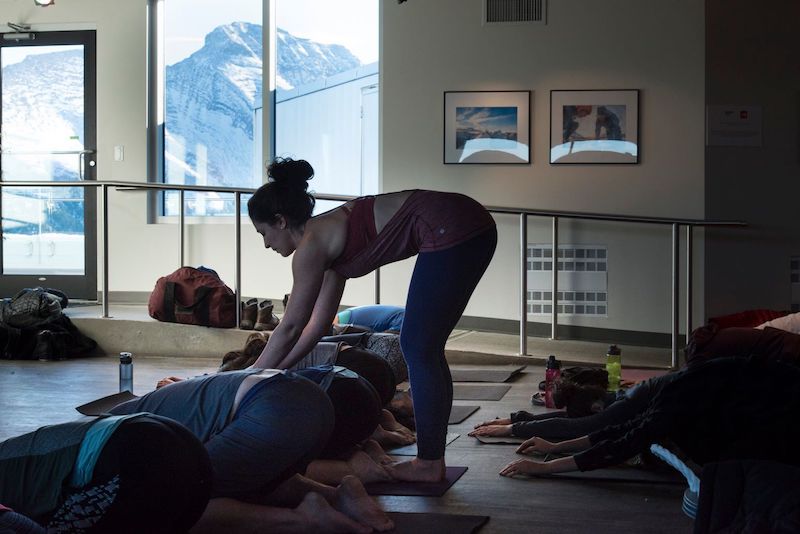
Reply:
x=164 y=477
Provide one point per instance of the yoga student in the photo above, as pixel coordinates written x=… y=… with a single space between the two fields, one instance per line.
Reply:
x=454 y=238
x=377 y=318
x=602 y=409
x=126 y=474
x=723 y=409
x=261 y=429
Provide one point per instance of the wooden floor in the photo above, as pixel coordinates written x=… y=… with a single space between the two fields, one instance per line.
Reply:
x=36 y=393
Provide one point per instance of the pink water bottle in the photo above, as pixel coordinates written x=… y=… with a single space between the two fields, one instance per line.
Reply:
x=551 y=374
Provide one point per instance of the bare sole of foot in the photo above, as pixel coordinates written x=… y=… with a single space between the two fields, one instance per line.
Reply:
x=353 y=501
x=319 y=516
x=418 y=470
x=366 y=469
x=376 y=452
x=389 y=422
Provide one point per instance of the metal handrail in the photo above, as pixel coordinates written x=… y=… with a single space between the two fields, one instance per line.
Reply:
x=523 y=214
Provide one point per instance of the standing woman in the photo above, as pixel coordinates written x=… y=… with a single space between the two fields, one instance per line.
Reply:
x=454 y=238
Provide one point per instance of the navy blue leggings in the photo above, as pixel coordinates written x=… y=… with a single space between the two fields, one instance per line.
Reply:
x=441 y=286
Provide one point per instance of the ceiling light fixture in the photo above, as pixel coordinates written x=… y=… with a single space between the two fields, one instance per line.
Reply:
x=44 y=3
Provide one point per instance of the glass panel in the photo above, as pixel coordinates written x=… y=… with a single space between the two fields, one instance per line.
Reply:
x=42 y=140
x=326 y=99
x=213 y=87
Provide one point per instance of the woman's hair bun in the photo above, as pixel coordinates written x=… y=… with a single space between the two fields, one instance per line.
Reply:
x=294 y=173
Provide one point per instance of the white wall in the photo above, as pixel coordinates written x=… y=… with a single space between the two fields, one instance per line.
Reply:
x=658 y=48
x=429 y=47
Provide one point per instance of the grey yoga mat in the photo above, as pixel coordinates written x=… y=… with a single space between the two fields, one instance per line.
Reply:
x=104 y=404
x=409 y=523
x=480 y=391
x=491 y=440
x=411 y=450
x=422 y=489
x=459 y=413
x=497 y=373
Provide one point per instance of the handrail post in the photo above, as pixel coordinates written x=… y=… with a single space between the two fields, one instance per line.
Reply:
x=554 y=316
x=689 y=288
x=378 y=285
x=105 y=251
x=523 y=283
x=181 y=219
x=675 y=292
x=238 y=255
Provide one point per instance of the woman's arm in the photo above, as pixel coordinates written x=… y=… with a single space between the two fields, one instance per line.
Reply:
x=539 y=445
x=309 y=272
x=320 y=323
x=532 y=467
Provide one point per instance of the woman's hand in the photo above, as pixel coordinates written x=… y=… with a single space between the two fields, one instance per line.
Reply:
x=493 y=422
x=167 y=381
x=498 y=430
x=524 y=467
x=536 y=446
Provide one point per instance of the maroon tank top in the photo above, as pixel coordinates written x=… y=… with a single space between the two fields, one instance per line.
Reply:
x=427 y=221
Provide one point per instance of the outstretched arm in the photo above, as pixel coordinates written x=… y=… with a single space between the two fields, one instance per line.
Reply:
x=315 y=293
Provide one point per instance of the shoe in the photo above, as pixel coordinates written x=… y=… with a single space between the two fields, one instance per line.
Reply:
x=266 y=320
x=249 y=314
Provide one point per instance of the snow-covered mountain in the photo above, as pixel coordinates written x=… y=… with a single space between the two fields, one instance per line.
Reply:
x=211 y=96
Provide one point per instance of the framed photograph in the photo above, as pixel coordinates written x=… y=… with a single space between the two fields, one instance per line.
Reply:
x=487 y=127
x=594 y=126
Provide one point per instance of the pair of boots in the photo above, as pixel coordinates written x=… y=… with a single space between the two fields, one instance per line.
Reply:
x=258 y=315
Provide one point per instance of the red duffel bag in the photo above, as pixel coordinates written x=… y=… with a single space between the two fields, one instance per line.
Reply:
x=193 y=296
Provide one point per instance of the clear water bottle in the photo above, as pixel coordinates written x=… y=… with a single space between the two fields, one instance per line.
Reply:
x=125 y=372
x=614 y=367
x=551 y=374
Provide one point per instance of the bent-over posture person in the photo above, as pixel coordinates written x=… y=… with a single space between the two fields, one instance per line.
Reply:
x=126 y=474
x=261 y=429
x=454 y=238
x=727 y=408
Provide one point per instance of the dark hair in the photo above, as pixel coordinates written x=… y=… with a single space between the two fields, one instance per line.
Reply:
x=577 y=399
x=357 y=410
x=284 y=194
x=372 y=367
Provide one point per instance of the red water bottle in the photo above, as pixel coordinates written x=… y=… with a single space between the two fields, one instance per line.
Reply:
x=551 y=374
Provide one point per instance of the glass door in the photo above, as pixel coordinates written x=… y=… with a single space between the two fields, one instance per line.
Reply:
x=47 y=134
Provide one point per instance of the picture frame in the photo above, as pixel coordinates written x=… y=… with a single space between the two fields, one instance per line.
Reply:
x=487 y=127
x=594 y=126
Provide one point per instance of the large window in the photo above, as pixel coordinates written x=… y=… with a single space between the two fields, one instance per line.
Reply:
x=212 y=86
x=209 y=93
x=327 y=91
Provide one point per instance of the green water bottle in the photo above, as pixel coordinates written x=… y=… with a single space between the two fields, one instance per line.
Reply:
x=614 y=367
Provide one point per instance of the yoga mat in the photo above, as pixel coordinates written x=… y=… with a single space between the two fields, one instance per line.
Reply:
x=480 y=392
x=491 y=440
x=497 y=374
x=622 y=474
x=411 y=450
x=103 y=405
x=407 y=523
x=421 y=489
x=459 y=413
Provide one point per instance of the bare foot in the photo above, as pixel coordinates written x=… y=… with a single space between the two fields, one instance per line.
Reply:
x=319 y=516
x=388 y=422
x=352 y=499
x=389 y=439
x=366 y=469
x=376 y=452
x=418 y=470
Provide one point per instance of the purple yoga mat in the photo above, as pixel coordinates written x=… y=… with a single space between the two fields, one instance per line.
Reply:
x=422 y=489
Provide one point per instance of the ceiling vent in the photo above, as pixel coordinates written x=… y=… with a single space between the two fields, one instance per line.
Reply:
x=514 y=12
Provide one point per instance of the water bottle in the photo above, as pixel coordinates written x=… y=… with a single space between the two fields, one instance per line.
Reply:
x=551 y=374
x=125 y=372
x=614 y=367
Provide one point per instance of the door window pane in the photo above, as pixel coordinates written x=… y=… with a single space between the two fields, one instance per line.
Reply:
x=42 y=140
